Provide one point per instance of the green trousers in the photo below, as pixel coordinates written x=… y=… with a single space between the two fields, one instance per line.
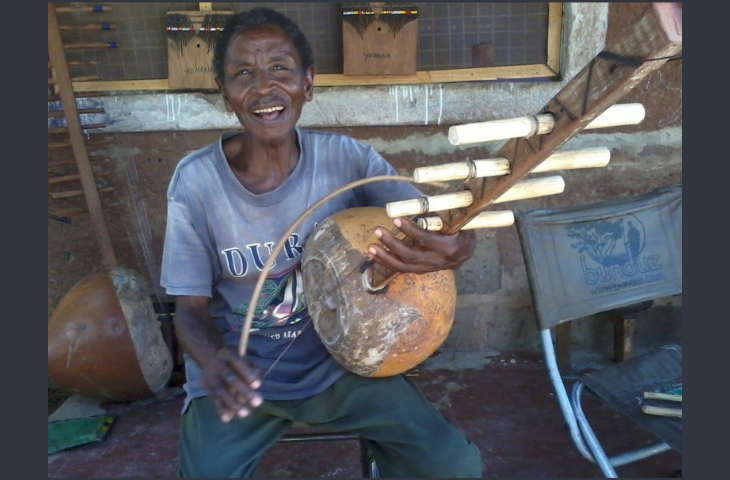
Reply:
x=407 y=435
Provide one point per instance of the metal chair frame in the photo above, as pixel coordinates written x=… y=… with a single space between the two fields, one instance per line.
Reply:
x=580 y=430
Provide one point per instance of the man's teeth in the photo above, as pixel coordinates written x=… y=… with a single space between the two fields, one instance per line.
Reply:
x=268 y=110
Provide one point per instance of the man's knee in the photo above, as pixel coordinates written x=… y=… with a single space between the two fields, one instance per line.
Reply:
x=456 y=457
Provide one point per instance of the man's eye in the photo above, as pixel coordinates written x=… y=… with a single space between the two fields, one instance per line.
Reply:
x=279 y=67
x=244 y=71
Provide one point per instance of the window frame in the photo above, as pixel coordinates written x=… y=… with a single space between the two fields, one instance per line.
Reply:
x=549 y=70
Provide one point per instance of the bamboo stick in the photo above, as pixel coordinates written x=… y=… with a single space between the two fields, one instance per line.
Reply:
x=93 y=9
x=662 y=396
x=72 y=212
x=85 y=78
x=70 y=178
x=502 y=218
x=530 y=188
x=661 y=411
x=59 y=130
x=62 y=145
x=87 y=111
x=575 y=159
x=57 y=98
x=76 y=193
x=565 y=160
x=78 y=46
x=524 y=127
x=434 y=203
x=90 y=26
x=60 y=163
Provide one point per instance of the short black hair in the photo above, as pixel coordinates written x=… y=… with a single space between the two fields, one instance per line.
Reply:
x=255 y=17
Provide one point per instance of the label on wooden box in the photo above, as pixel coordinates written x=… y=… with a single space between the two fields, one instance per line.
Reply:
x=379 y=38
x=190 y=42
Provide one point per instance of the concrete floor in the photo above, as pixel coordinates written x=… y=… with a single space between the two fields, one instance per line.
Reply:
x=504 y=403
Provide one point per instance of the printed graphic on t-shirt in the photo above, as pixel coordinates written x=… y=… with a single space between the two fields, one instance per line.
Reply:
x=281 y=302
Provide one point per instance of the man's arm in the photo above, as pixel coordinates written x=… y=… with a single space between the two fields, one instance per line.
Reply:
x=229 y=380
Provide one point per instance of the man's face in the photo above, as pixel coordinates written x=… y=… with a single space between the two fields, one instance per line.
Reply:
x=264 y=82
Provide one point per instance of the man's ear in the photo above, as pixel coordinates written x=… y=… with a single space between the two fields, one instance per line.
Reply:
x=309 y=84
x=229 y=109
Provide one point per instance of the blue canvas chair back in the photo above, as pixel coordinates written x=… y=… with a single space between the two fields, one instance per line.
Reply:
x=589 y=259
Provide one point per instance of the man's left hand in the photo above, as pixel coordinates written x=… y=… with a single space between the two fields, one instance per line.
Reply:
x=430 y=252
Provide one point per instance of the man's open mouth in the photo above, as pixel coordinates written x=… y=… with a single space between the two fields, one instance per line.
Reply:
x=269 y=113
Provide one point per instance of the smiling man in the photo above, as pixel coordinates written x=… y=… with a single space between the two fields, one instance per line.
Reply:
x=228 y=203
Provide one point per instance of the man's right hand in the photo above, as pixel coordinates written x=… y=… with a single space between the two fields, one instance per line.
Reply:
x=231 y=382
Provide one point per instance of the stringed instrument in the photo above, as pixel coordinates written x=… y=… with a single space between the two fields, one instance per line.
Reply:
x=377 y=322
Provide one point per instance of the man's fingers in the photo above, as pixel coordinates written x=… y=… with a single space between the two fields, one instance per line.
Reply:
x=225 y=404
x=242 y=391
x=387 y=259
x=244 y=370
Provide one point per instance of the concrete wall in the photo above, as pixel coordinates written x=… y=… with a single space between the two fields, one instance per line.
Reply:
x=151 y=132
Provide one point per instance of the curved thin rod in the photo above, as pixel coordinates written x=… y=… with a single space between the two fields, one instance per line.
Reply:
x=280 y=244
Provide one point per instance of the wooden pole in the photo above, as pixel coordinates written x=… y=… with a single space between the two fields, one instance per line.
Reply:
x=58 y=58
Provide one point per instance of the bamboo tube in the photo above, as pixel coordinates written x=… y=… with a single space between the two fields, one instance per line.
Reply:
x=502 y=218
x=619 y=115
x=567 y=160
x=70 y=178
x=76 y=193
x=533 y=187
x=59 y=113
x=614 y=116
x=425 y=204
x=574 y=159
x=662 y=396
x=661 y=411
x=77 y=46
x=90 y=26
x=501 y=129
x=94 y=9
x=460 y=170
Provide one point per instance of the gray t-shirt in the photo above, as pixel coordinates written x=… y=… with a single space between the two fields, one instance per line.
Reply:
x=219 y=235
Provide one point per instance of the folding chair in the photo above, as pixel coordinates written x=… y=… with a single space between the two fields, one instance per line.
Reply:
x=590 y=259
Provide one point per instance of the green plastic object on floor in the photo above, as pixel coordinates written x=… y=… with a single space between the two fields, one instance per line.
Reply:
x=78 y=431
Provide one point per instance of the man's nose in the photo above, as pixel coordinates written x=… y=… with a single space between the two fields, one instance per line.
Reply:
x=262 y=82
